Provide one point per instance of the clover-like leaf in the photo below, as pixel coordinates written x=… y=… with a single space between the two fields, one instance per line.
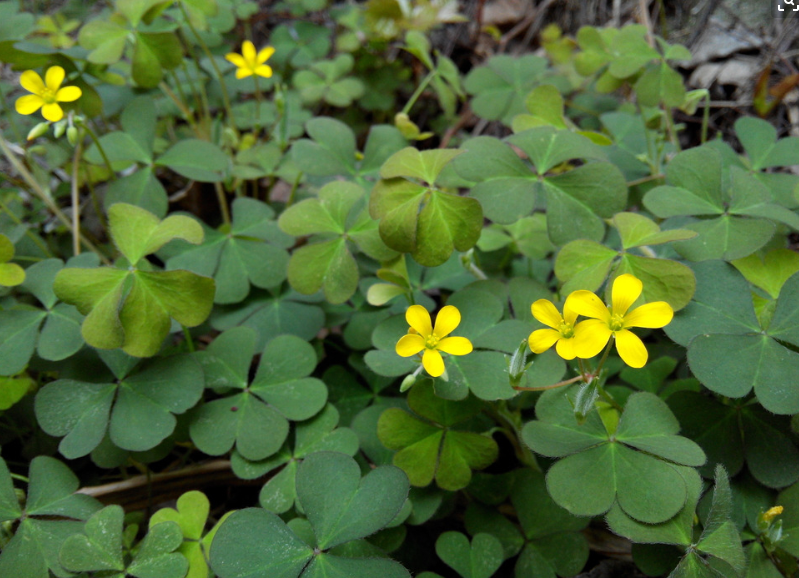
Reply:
x=577 y=199
x=300 y=43
x=33 y=549
x=422 y=219
x=340 y=506
x=427 y=451
x=252 y=252
x=327 y=80
x=314 y=435
x=137 y=321
x=138 y=411
x=99 y=549
x=480 y=559
x=338 y=215
x=711 y=331
x=618 y=469
x=191 y=516
x=257 y=418
x=331 y=149
x=500 y=86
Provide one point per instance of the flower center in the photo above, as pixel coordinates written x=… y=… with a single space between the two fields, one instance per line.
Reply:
x=48 y=95
x=566 y=330
x=432 y=341
x=616 y=322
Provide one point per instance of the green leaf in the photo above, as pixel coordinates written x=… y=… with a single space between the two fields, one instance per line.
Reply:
x=18 y=340
x=33 y=551
x=100 y=547
x=770 y=272
x=697 y=173
x=480 y=559
x=340 y=505
x=331 y=152
x=328 y=265
x=13 y=389
x=411 y=163
x=501 y=85
x=663 y=279
x=9 y=504
x=445 y=222
x=157 y=556
x=636 y=230
x=256 y=543
x=720 y=537
x=660 y=83
x=197 y=160
x=190 y=515
x=583 y=264
x=326 y=80
x=759 y=139
x=256 y=419
x=137 y=411
x=137 y=232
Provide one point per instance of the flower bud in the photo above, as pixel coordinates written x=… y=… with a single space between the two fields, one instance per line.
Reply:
x=59 y=128
x=72 y=135
x=39 y=130
x=518 y=364
x=407 y=383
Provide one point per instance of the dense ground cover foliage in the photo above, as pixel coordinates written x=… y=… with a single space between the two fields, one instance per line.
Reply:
x=268 y=310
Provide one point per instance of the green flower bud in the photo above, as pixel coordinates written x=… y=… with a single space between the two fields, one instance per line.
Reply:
x=39 y=130
x=72 y=135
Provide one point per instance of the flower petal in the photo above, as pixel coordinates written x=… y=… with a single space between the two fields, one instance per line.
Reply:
x=590 y=336
x=455 y=345
x=32 y=82
x=569 y=314
x=418 y=318
x=587 y=304
x=409 y=344
x=248 y=52
x=546 y=312
x=653 y=315
x=432 y=362
x=446 y=321
x=264 y=70
x=236 y=59
x=29 y=103
x=265 y=54
x=52 y=112
x=243 y=72
x=631 y=349
x=542 y=339
x=626 y=289
x=68 y=94
x=565 y=348
x=54 y=77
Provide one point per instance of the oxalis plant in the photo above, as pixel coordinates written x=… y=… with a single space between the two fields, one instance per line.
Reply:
x=274 y=304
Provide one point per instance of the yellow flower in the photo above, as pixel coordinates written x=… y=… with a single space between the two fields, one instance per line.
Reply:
x=249 y=63
x=47 y=93
x=772 y=513
x=562 y=332
x=593 y=334
x=422 y=336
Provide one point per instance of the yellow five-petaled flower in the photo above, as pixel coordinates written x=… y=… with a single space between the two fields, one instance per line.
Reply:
x=47 y=93
x=422 y=336
x=249 y=62
x=593 y=334
x=562 y=332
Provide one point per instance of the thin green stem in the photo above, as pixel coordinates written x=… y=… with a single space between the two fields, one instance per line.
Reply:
x=553 y=386
x=671 y=129
x=604 y=357
x=705 y=118
x=75 y=197
x=100 y=148
x=20 y=478
x=207 y=51
x=189 y=340
x=293 y=192
x=37 y=189
x=419 y=90
x=220 y=195
x=258 y=99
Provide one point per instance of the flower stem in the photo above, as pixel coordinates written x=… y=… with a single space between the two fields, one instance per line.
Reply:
x=37 y=189
x=553 y=386
x=100 y=148
x=76 y=197
x=418 y=92
x=204 y=47
x=220 y=195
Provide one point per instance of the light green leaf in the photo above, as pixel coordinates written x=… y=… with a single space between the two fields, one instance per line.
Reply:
x=197 y=160
x=480 y=559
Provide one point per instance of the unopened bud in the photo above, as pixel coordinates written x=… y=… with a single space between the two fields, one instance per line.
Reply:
x=408 y=382
x=518 y=364
x=72 y=135
x=230 y=137
x=39 y=130
x=59 y=128
x=772 y=513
